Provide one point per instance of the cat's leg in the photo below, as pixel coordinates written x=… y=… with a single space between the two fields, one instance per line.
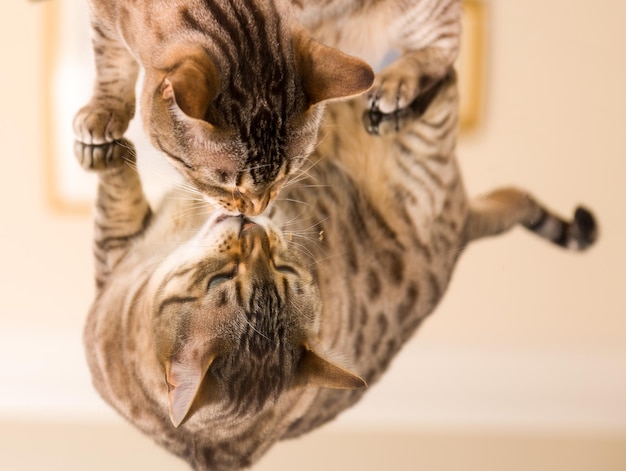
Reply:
x=122 y=211
x=502 y=209
x=112 y=105
x=427 y=34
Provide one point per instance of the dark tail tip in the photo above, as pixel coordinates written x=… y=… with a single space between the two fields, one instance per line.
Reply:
x=584 y=228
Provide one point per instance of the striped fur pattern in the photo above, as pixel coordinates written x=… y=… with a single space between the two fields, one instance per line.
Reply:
x=219 y=335
x=413 y=42
x=502 y=209
x=233 y=90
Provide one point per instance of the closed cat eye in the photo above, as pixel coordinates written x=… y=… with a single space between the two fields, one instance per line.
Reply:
x=217 y=280
x=286 y=270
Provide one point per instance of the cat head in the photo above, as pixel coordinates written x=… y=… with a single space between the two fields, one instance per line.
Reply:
x=239 y=128
x=236 y=319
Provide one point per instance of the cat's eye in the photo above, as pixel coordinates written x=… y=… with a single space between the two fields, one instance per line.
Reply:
x=286 y=270
x=217 y=280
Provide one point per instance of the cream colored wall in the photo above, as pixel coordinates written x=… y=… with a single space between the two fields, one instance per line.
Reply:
x=528 y=347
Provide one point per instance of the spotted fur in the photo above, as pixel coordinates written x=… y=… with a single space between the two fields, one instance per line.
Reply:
x=219 y=336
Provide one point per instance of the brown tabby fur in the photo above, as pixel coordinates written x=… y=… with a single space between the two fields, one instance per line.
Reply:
x=218 y=336
x=233 y=90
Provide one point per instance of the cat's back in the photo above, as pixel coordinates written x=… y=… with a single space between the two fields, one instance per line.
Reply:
x=393 y=212
x=417 y=159
x=158 y=31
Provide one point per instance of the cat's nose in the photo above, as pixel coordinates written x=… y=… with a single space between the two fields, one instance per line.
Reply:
x=254 y=241
x=251 y=206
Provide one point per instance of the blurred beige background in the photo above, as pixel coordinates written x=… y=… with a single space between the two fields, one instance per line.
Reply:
x=522 y=367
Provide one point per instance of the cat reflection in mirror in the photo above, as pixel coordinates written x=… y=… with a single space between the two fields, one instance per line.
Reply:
x=219 y=335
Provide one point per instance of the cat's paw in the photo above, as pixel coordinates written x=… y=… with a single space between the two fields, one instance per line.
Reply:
x=395 y=87
x=95 y=124
x=379 y=123
x=103 y=157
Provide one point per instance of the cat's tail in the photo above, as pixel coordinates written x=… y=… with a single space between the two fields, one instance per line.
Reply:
x=502 y=209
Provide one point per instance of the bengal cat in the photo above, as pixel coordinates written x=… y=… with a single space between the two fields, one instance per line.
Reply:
x=219 y=335
x=234 y=89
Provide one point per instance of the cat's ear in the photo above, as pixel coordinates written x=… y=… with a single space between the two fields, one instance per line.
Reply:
x=183 y=383
x=328 y=74
x=192 y=86
x=314 y=370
